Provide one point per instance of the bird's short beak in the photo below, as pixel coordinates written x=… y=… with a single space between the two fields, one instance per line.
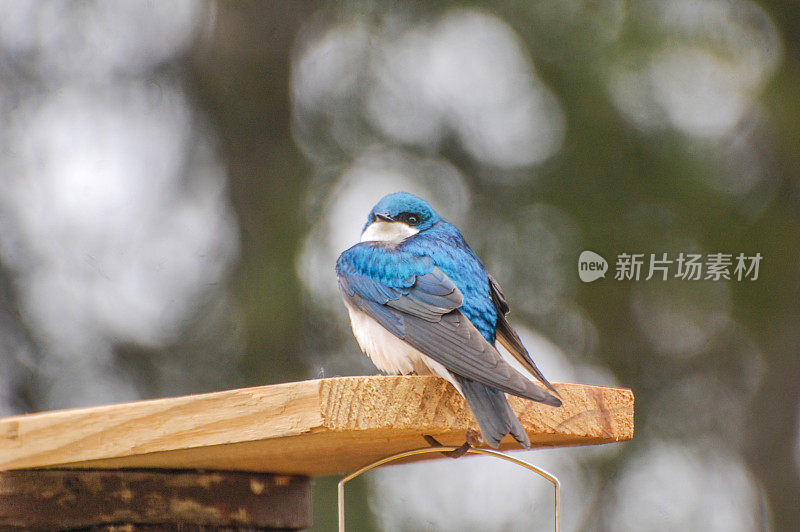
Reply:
x=382 y=216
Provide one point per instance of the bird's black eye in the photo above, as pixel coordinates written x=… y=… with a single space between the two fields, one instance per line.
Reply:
x=409 y=217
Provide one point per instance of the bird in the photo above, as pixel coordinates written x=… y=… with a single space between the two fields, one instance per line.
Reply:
x=421 y=302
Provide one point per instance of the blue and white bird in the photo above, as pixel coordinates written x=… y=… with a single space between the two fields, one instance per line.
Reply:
x=420 y=301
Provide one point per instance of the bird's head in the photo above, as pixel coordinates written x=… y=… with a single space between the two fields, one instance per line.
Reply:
x=398 y=216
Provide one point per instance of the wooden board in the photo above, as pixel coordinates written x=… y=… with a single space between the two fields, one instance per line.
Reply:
x=315 y=427
x=41 y=499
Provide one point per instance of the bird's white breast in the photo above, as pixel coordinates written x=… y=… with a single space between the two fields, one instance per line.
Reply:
x=394 y=232
x=389 y=353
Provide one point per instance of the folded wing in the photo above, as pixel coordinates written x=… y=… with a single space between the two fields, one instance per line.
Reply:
x=421 y=308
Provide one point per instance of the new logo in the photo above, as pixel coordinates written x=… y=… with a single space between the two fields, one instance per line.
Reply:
x=591 y=266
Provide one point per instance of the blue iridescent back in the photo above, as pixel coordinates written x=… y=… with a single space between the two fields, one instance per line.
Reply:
x=448 y=250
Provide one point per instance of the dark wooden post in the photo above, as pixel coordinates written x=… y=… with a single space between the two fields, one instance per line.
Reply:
x=152 y=500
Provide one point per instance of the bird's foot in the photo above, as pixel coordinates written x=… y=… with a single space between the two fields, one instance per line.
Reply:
x=456 y=453
x=474 y=438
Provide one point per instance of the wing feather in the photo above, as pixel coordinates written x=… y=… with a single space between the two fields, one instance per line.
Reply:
x=509 y=338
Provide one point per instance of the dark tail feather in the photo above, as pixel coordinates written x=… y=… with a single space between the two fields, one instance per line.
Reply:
x=493 y=412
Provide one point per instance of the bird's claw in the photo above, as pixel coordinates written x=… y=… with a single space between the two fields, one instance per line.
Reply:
x=455 y=453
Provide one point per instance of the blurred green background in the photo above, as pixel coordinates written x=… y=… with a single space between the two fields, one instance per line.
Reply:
x=179 y=177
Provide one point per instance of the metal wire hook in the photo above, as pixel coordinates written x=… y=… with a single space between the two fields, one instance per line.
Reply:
x=472 y=450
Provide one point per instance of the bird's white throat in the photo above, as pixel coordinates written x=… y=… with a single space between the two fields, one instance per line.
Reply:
x=394 y=232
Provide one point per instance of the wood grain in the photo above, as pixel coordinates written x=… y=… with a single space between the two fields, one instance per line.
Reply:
x=313 y=428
